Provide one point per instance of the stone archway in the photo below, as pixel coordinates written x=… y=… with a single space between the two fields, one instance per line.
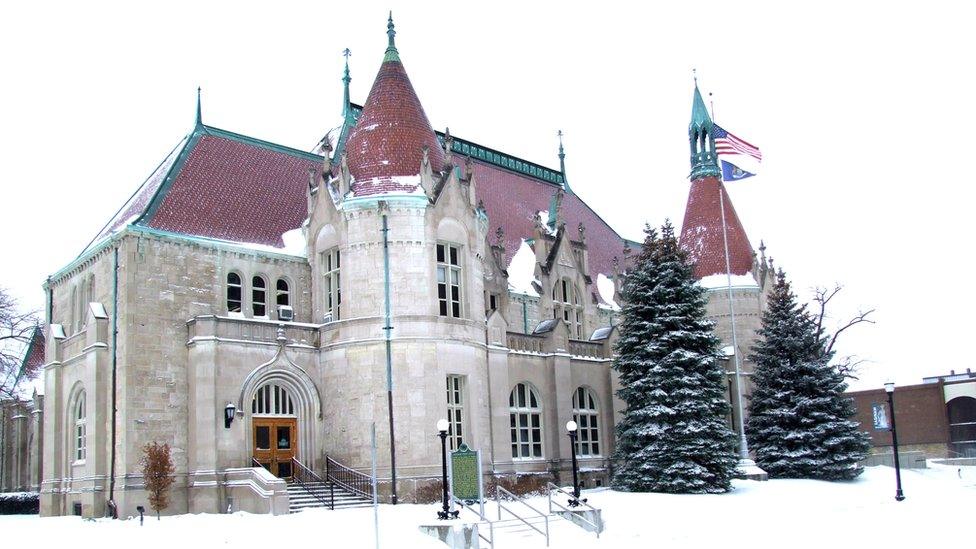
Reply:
x=305 y=398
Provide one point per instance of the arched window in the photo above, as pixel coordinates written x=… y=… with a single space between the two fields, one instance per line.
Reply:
x=282 y=296
x=81 y=432
x=568 y=304
x=235 y=292
x=586 y=415
x=525 y=417
x=259 y=296
x=272 y=400
x=962 y=425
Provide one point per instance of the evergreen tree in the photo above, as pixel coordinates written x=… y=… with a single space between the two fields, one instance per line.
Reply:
x=674 y=435
x=799 y=419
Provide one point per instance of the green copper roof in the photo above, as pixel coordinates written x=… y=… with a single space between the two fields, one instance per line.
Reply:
x=391 y=52
x=699 y=113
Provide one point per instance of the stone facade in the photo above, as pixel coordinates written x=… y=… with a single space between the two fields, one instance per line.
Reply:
x=400 y=283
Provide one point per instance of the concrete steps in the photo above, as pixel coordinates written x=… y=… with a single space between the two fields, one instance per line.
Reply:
x=316 y=496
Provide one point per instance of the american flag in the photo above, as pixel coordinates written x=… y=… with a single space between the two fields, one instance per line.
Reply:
x=726 y=143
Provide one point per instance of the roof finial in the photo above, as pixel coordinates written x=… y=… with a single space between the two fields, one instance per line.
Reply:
x=391 y=52
x=346 y=79
x=199 y=121
x=562 y=162
x=711 y=104
x=694 y=75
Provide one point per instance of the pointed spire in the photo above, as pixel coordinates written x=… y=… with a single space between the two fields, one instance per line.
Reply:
x=391 y=52
x=386 y=144
x=704 y=161
x=346 y=79
x=199 y=121
x=562 y=163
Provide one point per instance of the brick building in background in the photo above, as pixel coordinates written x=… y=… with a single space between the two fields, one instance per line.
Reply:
x=936 y=417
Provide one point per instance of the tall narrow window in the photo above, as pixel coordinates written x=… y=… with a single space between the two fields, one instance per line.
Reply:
x=235 y=292
x=332 y=291
x=568 y=305
x=281 y=290
x=81 y=434
x=455 y=411
x=586 y=416
x=525 y=419
x=259 y=296
x=449 y=280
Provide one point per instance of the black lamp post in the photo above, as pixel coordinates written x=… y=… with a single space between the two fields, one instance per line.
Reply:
x=445 y=513
x=571 y=427
x=890 y=389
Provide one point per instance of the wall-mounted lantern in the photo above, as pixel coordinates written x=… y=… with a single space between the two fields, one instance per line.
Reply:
x=229 y=412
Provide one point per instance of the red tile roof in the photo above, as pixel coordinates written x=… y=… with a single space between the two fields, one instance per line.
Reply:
x=387 y=142
x=34 y=354
x=701 y=232
x=512 y=201
x=233 y=188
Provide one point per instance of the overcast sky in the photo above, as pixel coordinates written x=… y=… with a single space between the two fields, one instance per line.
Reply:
x=860 y=108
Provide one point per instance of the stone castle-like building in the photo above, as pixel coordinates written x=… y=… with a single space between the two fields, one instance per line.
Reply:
x=259 y=308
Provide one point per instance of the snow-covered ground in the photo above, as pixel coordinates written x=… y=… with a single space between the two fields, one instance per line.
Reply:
x=778 y=513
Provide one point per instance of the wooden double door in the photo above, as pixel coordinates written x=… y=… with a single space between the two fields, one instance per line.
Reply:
x=275 y=444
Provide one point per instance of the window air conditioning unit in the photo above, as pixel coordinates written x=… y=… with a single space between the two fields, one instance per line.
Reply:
x=286 y=313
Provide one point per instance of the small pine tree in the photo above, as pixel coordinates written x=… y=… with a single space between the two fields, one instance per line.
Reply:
x=674 y=435
x=799 y=419
x=157 y=470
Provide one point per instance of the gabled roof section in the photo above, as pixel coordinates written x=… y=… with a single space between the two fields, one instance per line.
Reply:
x=701 y=231
x=223 y=185
x=385 y=149
x=512 y=199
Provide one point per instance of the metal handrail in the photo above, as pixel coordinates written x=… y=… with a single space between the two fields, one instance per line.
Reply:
x=350 y=479
x=551 y=486
x=491 y=526
x=499 y=490
x=308 y=480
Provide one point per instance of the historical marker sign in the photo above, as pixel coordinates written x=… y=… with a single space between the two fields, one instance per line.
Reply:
x=880 y=415
x=465 y=477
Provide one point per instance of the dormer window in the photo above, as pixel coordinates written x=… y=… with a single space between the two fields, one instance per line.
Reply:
x=568 y=305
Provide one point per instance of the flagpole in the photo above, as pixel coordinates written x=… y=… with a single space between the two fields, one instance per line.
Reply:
x=743 y=445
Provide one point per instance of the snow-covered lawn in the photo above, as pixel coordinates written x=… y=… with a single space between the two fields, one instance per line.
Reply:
x=778 y=513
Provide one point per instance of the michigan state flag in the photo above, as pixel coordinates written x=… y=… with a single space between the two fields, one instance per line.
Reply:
x=731 y=172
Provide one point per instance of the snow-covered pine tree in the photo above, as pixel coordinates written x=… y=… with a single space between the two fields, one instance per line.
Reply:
x=799 y=419
x=674 y=436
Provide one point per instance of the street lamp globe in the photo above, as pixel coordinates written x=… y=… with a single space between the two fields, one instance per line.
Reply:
x=890 y=387
x=571 y=426
x=442 y=425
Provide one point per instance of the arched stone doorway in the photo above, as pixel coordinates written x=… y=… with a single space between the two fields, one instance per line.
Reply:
x=280 y=400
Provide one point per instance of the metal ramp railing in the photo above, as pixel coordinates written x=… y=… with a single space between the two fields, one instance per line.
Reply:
x=597 y=528
x=490 y=539
x=499 y=491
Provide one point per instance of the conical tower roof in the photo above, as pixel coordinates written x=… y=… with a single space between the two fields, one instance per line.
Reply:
x=385 y=149
x=701 y=231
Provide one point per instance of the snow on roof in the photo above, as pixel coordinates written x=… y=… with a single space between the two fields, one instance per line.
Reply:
x=544 y=216
x=606 y=288
x=715 y=281
x=521 y=271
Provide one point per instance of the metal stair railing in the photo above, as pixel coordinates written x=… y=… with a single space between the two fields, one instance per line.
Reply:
x=490 y=540
x=358 y=483
x=552 y=487
x=510 y=496
x=309 y=480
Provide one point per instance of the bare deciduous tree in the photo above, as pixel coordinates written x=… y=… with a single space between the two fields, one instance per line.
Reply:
x=157 y=470
x=16 y=333
x=846 y=365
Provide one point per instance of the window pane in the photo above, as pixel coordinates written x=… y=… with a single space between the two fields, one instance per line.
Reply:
x=454 y=256
x=262 y=437
x=440 y=253
x=284 y=438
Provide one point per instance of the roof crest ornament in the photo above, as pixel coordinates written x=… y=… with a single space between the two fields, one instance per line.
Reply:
x=199 y=120
x=562 y=162
x=391 y=52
